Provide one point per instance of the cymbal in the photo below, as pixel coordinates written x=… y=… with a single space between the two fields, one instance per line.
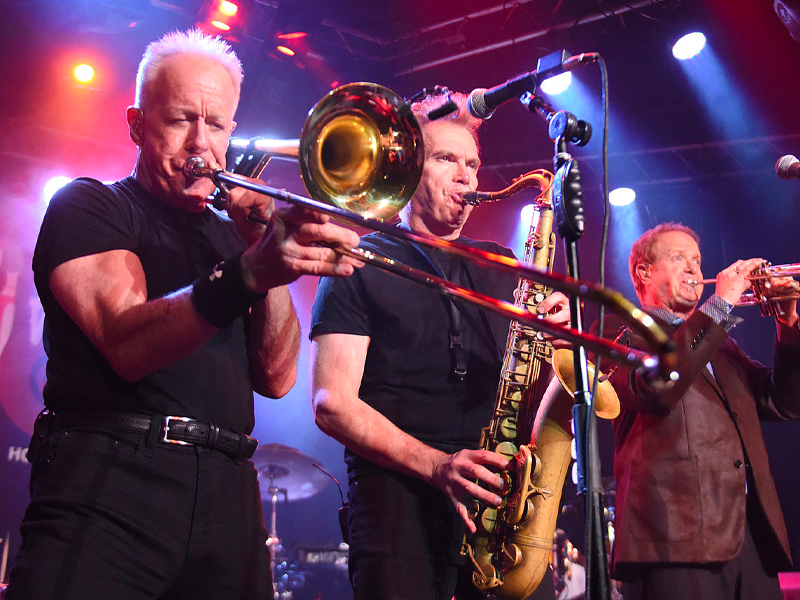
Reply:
x=288 y=472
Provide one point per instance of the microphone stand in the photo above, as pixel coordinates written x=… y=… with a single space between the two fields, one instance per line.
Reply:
x=568 y=209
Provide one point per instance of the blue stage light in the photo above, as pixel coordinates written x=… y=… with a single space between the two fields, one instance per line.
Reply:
x=556 y=85
x=621 y=196
x=689 y=45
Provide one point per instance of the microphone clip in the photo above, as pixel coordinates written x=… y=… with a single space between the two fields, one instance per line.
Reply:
x=437 y=90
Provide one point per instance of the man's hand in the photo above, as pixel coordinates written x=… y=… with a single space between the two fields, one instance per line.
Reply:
x=733 y=281
x=240 y=203
x=781 y=287
x=296 y=242
x=456 y=476
x=555 y=309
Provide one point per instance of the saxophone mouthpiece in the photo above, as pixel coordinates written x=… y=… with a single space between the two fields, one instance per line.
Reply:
x=474 y=198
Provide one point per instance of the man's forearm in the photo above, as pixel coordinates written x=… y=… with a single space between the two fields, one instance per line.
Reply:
x=274 y=343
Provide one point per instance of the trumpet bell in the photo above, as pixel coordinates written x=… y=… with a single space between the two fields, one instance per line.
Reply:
x=361 y=149
x=606 y=402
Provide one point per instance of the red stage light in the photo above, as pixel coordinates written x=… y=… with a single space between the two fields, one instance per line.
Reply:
x=285 y=50
x=221 y=25
x=295 y=35
x=228 y=8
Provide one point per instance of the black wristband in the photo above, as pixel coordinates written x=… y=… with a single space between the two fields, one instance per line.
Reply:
x=222 y=296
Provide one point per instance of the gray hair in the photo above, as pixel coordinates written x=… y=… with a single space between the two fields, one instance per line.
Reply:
x=460 y=116
x=193 y=41
x=645 y=249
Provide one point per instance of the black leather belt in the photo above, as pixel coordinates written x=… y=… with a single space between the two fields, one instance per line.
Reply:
x=173 y=430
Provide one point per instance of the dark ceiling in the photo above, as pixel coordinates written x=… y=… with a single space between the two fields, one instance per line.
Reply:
x=407 y=45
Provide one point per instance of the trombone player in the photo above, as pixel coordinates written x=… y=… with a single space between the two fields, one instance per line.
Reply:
x=697 y=514
x=141 y=485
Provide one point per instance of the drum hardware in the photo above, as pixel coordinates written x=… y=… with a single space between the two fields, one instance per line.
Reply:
x=284 y=471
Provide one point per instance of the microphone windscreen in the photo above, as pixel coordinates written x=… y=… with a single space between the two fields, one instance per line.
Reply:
x=476 y=103
x=782 y=167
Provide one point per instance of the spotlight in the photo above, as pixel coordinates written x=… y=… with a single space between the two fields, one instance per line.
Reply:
x=689 y=45
x=53 y=185
x=527 y=213
x=621 y=196
x=788 y=12
x=294 y=28
x=228 y=8
x=294 y=35
x=223 y=18
x=83 y=73
x=553 y=86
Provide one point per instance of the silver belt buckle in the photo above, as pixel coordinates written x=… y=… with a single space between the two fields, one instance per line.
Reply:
x=165 y=435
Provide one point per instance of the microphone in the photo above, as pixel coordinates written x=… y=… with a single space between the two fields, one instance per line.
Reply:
x=788 y=167
x=482 y=102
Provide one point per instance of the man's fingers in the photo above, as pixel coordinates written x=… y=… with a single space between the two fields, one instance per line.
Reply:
x=462 y=511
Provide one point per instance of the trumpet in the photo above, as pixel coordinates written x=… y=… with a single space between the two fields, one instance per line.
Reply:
x=758 y=296
x=361 y=153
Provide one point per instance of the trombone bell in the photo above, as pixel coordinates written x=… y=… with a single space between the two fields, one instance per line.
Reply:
x=361 y=149
x=606 y=402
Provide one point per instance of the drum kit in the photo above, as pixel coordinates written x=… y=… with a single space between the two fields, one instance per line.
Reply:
x=287 y=473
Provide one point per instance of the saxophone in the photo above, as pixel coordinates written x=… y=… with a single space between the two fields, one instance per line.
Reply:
x=511 y=549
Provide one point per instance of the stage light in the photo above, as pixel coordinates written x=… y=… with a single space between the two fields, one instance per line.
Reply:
x=789 y=13
x=689 y=45
x=621 y=196
x=556 y=85
x=294 y=35
x=224 y=18
x=53 y=185
x=527 y=213
x=83 y=73
x=228 y=8
x=285 y=50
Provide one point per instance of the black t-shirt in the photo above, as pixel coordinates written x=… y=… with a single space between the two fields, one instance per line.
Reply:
x=175 y=247
x=409 y=371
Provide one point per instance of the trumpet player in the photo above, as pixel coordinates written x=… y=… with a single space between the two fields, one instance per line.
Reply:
x=697 y=514
x=162 y=318
x=406 y=379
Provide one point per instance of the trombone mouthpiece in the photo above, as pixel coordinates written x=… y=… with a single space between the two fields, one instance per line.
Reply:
x=194 y=167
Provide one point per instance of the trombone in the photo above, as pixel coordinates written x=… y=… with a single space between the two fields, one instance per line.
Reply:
x=361 y=151
x=758 y=296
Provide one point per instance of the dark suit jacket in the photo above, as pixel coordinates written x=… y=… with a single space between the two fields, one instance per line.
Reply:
x=682 y=454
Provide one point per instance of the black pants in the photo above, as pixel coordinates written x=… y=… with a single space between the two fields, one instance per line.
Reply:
x=745 y=577
x=405 y=541
x=115 y=516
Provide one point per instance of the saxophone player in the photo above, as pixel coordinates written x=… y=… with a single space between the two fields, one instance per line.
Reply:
x=406 y=379
x=697 y=515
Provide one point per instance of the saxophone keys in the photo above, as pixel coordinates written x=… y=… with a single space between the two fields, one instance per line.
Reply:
x=489 y=519
x=512 y=556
